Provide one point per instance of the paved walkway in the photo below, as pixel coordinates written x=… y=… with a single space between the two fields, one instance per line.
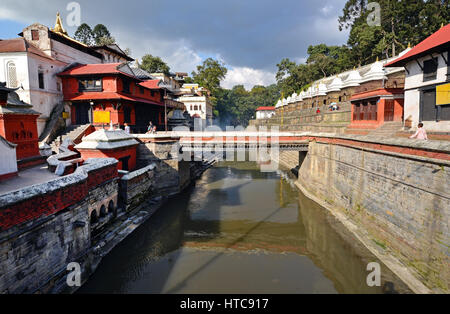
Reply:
x=25 y=178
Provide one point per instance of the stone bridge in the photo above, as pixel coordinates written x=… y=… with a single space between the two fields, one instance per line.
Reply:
x=221 y=141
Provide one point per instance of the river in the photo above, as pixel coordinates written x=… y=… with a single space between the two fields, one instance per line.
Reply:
x=239 y=230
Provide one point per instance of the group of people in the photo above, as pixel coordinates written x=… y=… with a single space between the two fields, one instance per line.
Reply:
x=151 y=129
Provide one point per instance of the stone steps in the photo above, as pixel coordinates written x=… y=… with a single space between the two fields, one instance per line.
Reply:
x=72 y=132
x=388 y=129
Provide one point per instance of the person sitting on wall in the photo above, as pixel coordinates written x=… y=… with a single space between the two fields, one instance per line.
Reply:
x=127 y=128
x=420 y=134
x=150 y=127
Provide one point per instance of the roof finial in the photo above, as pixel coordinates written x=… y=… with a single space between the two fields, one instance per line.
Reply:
x=59 y=25
x=378 y=58
x=442 y=24
x=409 y=44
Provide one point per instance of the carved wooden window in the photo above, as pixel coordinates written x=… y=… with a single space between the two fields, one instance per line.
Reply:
x=12 y=75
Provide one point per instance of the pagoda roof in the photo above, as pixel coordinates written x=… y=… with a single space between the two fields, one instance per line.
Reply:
x=151 y=84
x=109 y=96
x=114 y=48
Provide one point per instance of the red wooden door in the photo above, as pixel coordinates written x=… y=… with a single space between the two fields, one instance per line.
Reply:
x=389 y=110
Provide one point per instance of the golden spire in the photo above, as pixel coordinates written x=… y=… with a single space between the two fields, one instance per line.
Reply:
x=59 y=25
x=409 y=44
x=378 y=58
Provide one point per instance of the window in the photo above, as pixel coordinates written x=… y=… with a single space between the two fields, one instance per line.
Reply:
x=126 y=86
x=12 y=75
x=430 y=69
x=41 y=79
x=152 y=92
x=34 y=34
x=428 y=105
x=141 y=89
x=195 y=107
x=127 y=114
x=91 y=84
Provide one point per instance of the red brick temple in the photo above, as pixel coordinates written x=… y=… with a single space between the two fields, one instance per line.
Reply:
x=18 y=124
x=116 y=144
x=373 y=108
x=104 y=93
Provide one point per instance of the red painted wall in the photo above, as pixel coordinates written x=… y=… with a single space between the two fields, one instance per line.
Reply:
x=119 y=153
x=51 y=203
x=21 y=130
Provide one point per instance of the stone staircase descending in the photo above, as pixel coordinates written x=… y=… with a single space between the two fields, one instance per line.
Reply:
x=388 y=129
x=73 y=132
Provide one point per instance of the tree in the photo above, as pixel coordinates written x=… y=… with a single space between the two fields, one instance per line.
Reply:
x=84 y=34
x=102 y=36
x=402 y=22
x=153 y=64
x=237 y=106
x=209 y=74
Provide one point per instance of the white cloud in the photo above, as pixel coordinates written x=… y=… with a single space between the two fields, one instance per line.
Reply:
x=248 y=77
x=326 y=9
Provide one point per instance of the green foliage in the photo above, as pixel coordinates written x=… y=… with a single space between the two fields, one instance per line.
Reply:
x=102 y=36
x=153 y=64
x=99 y=36
x=84 y=34
x=322 y=61
x=209 y=74
x=237 y=106
x=402 y=22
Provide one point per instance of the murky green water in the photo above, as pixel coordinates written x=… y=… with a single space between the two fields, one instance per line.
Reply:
x=238 y=230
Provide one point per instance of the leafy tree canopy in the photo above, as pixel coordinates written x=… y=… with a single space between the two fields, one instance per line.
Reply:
x=153 y=64
x=209 y=74
x=84 y=34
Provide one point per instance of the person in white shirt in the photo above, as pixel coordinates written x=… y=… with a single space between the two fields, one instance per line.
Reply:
x=127 y=128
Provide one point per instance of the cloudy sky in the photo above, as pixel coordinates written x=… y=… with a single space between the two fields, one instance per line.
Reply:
x=249 y=36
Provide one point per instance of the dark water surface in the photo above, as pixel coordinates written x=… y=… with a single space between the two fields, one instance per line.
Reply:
x=238 y=230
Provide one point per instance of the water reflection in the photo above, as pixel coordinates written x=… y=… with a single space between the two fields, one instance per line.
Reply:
x=238 y=230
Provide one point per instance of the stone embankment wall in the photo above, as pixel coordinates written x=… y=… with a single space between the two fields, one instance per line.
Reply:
x=171 y=174
x=82 y=215
x=44 y=227
x=394 y=194
x=309 y=120
x=137 y=186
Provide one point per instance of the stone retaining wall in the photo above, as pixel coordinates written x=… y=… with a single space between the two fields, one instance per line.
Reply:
x=136 y=186
x=44 y=227
x=396 y=194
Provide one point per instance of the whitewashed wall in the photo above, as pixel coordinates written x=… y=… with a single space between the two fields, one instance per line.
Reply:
x=414 y=81
x=8 y=161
